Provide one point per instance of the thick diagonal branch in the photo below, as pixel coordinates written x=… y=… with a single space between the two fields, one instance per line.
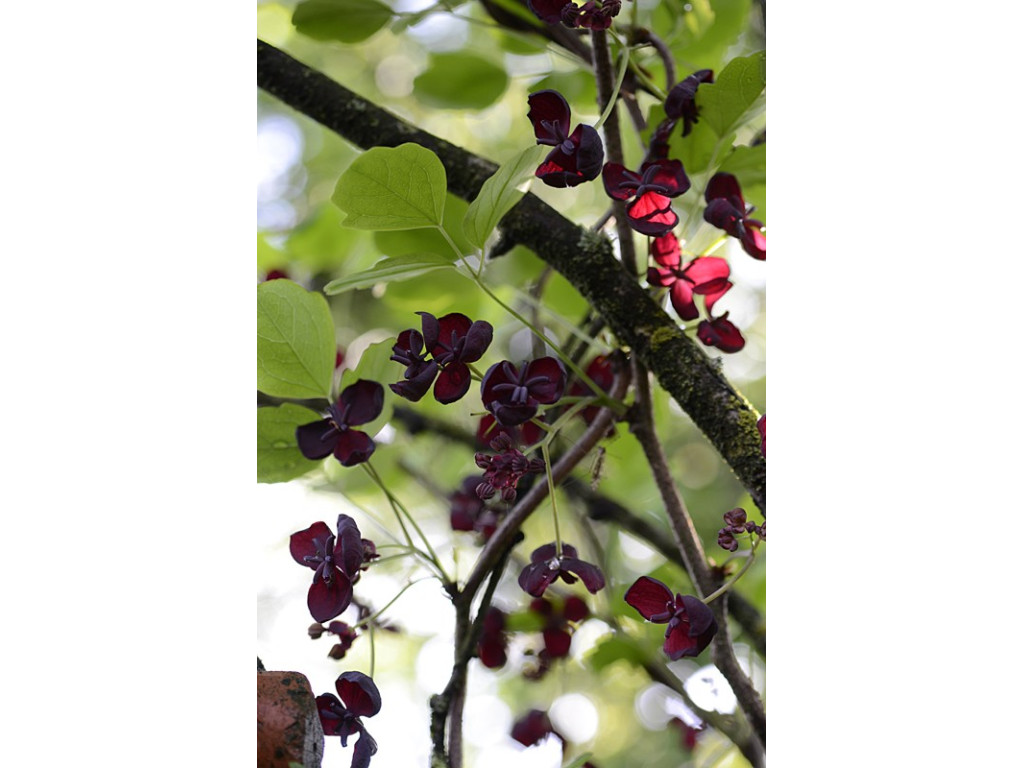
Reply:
x=584 y=258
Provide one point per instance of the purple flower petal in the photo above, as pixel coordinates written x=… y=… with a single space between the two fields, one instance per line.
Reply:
x=365 y=748
x=353 y=447
x=553 y=376
x=478 y=339
x=431 y=329
x=359 y=693
x=363 y=400
x=651 y=599
x=330 y=711
x=413 y=389
x=681 y=295
x=589 y=573
x=549 y=111
x=532 y=728
x=452 y=383
x=700 y=616
x=589 y=151
x=301 y=544
x=753 y=239
x=317 y=439
x=328 y=600
x=614 y=176
x=536 y=577
x=557 y=642
x=721 y=333
x=348 y=550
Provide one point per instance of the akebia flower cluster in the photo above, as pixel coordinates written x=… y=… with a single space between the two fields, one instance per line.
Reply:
x=706 y=276
x=736 y=523
x=359 y=403
x=336 y=561
x=547 y=565
x=452 y=342
x=359 y=698
x=691 y=624
x=577 y=156
x=504 y=469
x=346 y=636
x=557 y=626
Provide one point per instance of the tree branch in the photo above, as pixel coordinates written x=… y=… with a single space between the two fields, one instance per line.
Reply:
x=584 y=258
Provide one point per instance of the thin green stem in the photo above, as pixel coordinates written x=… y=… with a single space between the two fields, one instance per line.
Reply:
x=400 y=510
x=736 y=577
x=369 y=619
x=551 y=494
x=624 y=55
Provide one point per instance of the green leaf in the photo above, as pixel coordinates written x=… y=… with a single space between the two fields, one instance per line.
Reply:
x=460 y=81
x=388 y=270
x=323 y=245
x=278 y=458
x=347 y=21
x=500 y=193
x=733 y=92
x=295 y=344
x=392 y=188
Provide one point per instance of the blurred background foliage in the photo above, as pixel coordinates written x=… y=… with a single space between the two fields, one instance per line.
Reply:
x=452 y=70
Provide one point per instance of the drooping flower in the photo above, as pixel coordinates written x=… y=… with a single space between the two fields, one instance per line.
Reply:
x=359 y=698
x=691 y=624
x=729 y=212
x=419 y=372
x=706 y=276
x=547 y=566
x=557 y=637
x=359 y=403
x=591 y=15
x=504 y=469
x=736 y=523
x=681 y=102
x=493 y=646
x=719 y=332
x=576 y=157
x=651 y=190
x=453 y=342
x=549 y=11
x=513 y=395
x=336 y=561
x=346 y=636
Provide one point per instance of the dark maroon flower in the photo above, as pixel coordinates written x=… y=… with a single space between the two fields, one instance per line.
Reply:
x=419 y=372
x=681 y=103
x=705 y=275
x=719 y=332
x=359 y=698
x=576 y=157
x=650 y=213
x=548 y=10
x=336 y=561
x=728 y=211
x=513 y=395
x=534 y=727
x=546 y=566
x=503 y=470
x=557 y=637
x=691 y=624
x=493 y=645
x=358 y=403
x=276 y=274
x=464 y=505
x=454 y=341
x=761 y=428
